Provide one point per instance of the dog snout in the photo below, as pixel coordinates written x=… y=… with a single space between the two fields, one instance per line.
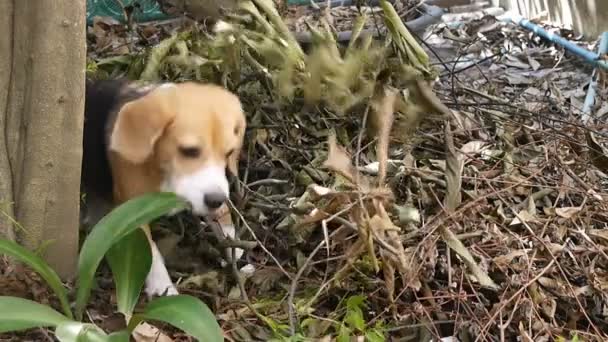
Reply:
x=214 y=200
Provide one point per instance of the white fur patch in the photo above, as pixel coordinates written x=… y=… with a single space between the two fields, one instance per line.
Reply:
x=158 y=281
x=194 y=187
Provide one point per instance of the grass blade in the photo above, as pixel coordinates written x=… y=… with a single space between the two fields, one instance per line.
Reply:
x=184 y=312
x=22 y=314
x=41 y=267
x=111 y=229
x=130 y=260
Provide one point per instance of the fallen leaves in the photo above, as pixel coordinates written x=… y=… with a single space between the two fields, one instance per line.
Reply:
x=145 y=332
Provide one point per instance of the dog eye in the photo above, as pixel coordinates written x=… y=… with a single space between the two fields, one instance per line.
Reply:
x=189 y=152
x=229 y=153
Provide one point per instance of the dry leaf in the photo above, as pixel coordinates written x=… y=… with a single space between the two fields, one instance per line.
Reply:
x=338 y=160
x=389 y=278
x=513 y=61
x=453 y=171
x=599 y=233
x=521 y=217
x=533 y=63
x=567 y=212
x=597 y=153
x=384 y=110
x=456 y=245
x=505 y=260
x=432 y=101
x=472 y=148
x=145 y=332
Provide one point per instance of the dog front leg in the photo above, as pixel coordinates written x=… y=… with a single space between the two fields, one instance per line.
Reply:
x=158 y=281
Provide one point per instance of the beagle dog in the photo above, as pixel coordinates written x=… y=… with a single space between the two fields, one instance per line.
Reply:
x=181 y=138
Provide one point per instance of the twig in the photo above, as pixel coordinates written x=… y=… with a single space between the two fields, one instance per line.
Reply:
x=383 y=243
x=515 y=295
x=228 y=242
x=268 y=181
x=241 y=283
x=294 y=282
x=258 y=240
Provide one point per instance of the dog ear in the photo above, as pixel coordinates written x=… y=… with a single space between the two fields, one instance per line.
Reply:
x=233 y=159
x=141 y=122
x=233 y=162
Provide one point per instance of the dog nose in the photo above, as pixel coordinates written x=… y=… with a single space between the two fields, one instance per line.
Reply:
x=214 y=200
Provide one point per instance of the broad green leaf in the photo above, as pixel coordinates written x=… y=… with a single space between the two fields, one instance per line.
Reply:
x=119 y=336
x=184 y=312
x=41 y=267
x=80 y=332
x=130 y=260
x=112 y=228
x=22 y=314
x=69 y=331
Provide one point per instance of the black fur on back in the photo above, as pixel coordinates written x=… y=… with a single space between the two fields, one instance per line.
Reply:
x=101 y=101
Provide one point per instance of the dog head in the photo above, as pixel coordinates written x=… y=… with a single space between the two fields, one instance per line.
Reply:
x=192 y=132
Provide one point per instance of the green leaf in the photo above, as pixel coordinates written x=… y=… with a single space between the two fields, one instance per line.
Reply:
x=69 y=331
x=130 y=260
x=343 y=334
x=41 y=267
x=22 y=314
x=112 y=228
x=354 y=314
x=184 y=312
x=119 y=336
x=80 y=332
x=374 y=335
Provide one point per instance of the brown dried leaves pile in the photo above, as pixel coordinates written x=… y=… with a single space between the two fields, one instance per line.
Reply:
x=361 y=203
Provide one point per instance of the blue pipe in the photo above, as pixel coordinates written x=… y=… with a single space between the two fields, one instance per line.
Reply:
x=590 y=98
x=588 y=56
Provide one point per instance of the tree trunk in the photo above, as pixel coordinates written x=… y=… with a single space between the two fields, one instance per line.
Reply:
x=42 y=74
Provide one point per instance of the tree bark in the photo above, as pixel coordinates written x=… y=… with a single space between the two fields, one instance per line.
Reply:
x=42 y=79
x=6 y=181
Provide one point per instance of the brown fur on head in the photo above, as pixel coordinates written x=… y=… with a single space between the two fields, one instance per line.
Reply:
x=179 y=138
